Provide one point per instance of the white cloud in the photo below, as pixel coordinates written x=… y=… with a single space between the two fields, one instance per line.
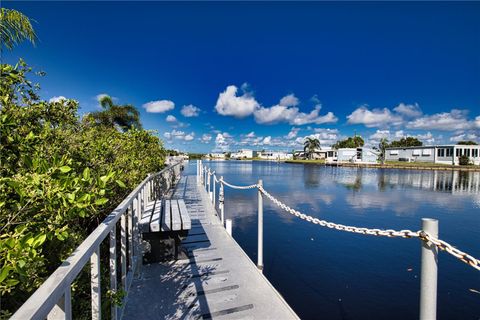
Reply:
x=445 y=121
x=408 y=110
x=57 y=99
x=206 y=138
x=229 y=104
x=286 y=111
x=250 y=135
x=267 y=140
x=159 y=106
x=189 y=137
x=221 y=143
x=293 y=133
x=477 y=122
x=190 y=111
x=373 y=118
x=171 y=118
x=380 y=134
x=464 y=136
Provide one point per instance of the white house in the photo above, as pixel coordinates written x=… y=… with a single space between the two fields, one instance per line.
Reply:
x=275 y=155
x=357 y=155
x=216 y=155
x=446 y=154
x=242 y=154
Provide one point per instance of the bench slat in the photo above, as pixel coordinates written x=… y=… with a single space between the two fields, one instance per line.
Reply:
x=166 y=217
x=186 y=222
x=144 y=224
x=155 y=222
x=176 y=220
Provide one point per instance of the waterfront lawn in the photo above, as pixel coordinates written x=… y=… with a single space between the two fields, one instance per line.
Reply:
x=305 y=161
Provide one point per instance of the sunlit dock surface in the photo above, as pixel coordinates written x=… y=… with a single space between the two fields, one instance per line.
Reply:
x=217 y=281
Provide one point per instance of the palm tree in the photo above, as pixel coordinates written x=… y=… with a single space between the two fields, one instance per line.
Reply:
x=381 y=149
x=122 y=116
x=310 y=145
x=15 y=27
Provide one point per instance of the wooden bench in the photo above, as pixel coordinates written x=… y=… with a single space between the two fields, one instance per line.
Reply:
x=163 y=225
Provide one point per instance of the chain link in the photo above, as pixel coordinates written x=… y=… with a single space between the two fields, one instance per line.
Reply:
x=422 y=235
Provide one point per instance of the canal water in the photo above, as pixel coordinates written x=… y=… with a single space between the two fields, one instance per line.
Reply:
x=329 y=274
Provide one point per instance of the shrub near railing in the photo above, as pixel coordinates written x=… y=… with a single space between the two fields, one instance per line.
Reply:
x=60 y=176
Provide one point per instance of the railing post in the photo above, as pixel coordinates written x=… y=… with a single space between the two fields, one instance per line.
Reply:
x=63 y=308
x=221 y=202
x=113 y=269
x=428 y=278
x=213 y=197
x=260 y=227
x=228 y=226
x=123 y=249
x=95 y=285
x=130 y=235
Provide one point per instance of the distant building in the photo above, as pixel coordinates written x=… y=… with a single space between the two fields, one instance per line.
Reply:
x=324 y=153
x=216 y=155
x=275 y=155
x=445 y=154
x=242 y=154
x=357 y=155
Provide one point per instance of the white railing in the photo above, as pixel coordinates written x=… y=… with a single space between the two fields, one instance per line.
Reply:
x=52 y=299
x=430 y=243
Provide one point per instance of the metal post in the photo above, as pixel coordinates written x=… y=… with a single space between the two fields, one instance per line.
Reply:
x=208 y=183
x=95 y=285
x=228 y=224
x=260 y=227
x=213 y=198
x=221 y=202
x=113 y=269
x=428 y=278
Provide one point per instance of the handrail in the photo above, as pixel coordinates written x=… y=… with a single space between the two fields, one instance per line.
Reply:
x=44 y=299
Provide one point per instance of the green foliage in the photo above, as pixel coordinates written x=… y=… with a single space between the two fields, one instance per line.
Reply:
x=406 y=142
x=468 y=143
x=464 y=160
x=15 y=27
x=122 y=116
x=310 y=145
x=350 y=142
x=195 y=155
x=59 y=177
x=382 y=145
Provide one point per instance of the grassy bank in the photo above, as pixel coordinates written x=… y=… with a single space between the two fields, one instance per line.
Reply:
x=302 y=161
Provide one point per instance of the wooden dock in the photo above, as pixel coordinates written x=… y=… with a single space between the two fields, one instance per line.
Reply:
x=217 y=281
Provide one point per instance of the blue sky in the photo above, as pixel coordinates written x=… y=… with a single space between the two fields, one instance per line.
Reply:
x=264 y=75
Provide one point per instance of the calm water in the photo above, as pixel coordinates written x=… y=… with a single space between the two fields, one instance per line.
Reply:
x=330 y=274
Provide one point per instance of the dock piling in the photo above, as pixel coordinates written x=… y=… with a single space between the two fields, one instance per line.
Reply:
x=228 y=223
x=428 y=280
x=260 y=227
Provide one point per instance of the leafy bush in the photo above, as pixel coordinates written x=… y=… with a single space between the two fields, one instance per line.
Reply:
x=60 y=176
x=464 y=160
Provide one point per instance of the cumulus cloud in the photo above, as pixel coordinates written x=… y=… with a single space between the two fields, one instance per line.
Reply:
x=327 y=137
x=179 y=135
x=229 y=104
x=445 y=121
x=374 y=117
x=464 y=136
x=159 y=106
x=286 y=111
x=206 y=138
x=190 y=111
x=57 y=99
x=222 y=142
x=250 y=135
x=477 y=122
x=267 y=140
x=293 y=133
x=171 y=118
x=375 y=138
x=408 y=110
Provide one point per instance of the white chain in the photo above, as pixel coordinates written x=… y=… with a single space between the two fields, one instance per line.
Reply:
x=424 y=236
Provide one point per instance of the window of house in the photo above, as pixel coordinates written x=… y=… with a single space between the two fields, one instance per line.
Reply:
x=467 y=152
x=475 y=153
x=393 y=152
x=457 y=152
x=449 y=152
x=441 y=152
x=416 y=152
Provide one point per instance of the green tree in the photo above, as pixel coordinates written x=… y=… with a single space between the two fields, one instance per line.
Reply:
x=310 y=145
x=406 y=142
x=123 y=116
x=468 y=143
x=15 y=27
x=350 y=142
x=382 y=145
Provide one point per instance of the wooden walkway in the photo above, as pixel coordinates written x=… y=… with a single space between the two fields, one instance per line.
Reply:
x=218 y=281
